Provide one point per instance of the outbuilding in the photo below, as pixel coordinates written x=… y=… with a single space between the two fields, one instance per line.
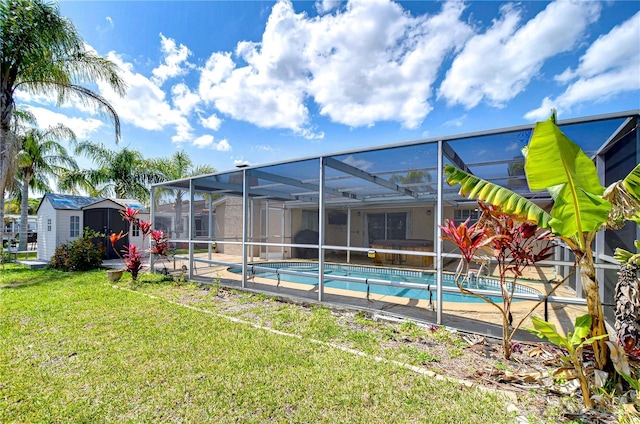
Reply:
x=62 y=218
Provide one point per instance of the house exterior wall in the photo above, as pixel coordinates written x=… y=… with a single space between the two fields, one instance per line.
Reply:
x=138 y=240
x=232 y=223
x=220 y=229
x=60 y=229
x=421 y=224
x=63 y=225
x=46 y=238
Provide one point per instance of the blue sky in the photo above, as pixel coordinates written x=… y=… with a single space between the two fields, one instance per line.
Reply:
x=261 y=82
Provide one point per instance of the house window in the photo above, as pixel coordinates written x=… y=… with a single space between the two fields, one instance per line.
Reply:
x=387 y=226
x=461 y=215
x=135 y=230
x=48 y=224
x=74 y=226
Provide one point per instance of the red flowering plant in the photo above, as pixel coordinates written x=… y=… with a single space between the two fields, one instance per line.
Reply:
x=133 y=260
x=160 y=243
x=132 y=255
x=129 y=214
x=513 y=245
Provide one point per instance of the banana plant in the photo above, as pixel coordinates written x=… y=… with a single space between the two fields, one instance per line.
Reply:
x=581 y=205
x=573 y=344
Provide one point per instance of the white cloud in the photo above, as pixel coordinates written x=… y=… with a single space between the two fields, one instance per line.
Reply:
x=325 y=6
x=610 y=66
x=144 y=104
x=612 y=51
x=263 y=148
x=39 y=98
x=512 y=147
x=358 y=163
x=212 y=122
x=203 y=141
x=183 y=98
x=223 y=146
x=110 y=25
x=82 y=127
x=240 y=161
x=386 y=73
x=268 y=92
x=499 y=64
x=208 y=141
x=456 y=122
x=175 y=61
x=543 y=112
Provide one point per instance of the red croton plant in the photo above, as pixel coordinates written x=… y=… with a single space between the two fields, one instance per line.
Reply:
x=132 y=254
x=513 y=245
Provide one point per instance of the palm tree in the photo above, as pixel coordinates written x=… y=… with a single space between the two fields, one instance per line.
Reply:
x=40 y=158
x=42 y=52
x=179 y=166
x=414 y=179
x=121 y=173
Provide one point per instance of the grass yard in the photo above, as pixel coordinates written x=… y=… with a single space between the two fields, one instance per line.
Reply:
x=75 y=349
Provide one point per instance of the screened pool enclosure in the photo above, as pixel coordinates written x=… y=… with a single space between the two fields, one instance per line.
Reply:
x=378 y=209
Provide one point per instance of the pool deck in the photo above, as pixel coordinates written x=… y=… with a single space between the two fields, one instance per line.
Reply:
x=480 y=318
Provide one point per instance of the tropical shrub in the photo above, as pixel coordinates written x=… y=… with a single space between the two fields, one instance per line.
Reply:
x=132 y=256
x=514 y=245
x=80 y=254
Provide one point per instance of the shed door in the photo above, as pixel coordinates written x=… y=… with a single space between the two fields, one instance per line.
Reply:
x=107 y=221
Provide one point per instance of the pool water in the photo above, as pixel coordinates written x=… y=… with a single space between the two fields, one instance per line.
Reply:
x=428 y=280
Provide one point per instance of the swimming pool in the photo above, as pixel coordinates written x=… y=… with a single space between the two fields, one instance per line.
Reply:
x=337 y=274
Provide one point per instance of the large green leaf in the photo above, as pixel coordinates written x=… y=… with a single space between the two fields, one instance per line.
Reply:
x=555 y=163
x=568 y=220
x=582 y=329
x=632 y=183
x=509 y=202
x=547 y=331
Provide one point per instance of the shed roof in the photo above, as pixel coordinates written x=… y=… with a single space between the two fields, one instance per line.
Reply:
x=76 y=202
x=68 y=201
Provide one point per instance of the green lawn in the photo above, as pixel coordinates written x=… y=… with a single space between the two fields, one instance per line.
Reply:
x=75 y=349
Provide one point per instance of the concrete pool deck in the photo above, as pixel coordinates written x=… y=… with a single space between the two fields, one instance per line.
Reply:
x=477 y=317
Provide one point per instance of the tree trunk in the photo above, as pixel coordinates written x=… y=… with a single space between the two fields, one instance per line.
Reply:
x=506 y=338
x=24 y=215
x=594 y=307
x=628 y=307
x=6 y=110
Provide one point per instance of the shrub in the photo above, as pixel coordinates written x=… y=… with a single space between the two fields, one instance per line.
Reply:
x=78 y=255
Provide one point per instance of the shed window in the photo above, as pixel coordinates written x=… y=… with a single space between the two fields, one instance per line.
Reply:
x=74 y=226
x=48 y=224
x=135 y=230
